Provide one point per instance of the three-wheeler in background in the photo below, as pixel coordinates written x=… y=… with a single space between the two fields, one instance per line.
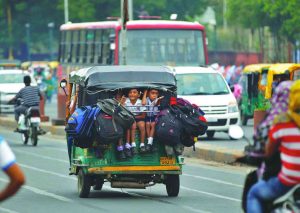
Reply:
x=88 y=85
x=254 y=82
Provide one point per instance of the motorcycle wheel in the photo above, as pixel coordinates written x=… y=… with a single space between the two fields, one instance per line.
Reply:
x=34 y=135
x=25 y=138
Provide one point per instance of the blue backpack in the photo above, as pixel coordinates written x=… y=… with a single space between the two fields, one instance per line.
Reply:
x=80 y=125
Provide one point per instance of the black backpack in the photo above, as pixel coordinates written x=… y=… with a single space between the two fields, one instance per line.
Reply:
x=120 y=114
x=190 y=119
x=107 y=130
x=168 y=128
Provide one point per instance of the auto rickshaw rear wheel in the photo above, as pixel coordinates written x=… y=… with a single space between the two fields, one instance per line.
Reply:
x=98 y=183
x=172 y=185
x=83 y=184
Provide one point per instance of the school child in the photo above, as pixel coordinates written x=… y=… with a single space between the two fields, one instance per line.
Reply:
x=134 y=104
x=151 y=99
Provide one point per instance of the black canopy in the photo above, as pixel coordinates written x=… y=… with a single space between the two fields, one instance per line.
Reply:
x=114 y=77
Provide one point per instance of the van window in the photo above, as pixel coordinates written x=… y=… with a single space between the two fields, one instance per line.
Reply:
x=201 y=84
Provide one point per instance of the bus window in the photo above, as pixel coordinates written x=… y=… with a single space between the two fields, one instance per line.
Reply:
x=98 y=54
x=174 y=46
x=105 y=47
x=74 y=54
x=82 y=46
x=67 y=56
x=89 y=42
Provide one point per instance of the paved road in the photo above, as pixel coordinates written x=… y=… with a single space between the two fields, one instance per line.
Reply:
x=205 y=186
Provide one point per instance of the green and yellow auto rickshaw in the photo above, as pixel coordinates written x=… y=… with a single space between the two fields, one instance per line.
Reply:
x=88 y=85
x=280 y=72
x=254 y=81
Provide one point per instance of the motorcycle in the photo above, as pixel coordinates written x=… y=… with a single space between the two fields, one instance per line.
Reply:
x=266 y=168
x=29 y=125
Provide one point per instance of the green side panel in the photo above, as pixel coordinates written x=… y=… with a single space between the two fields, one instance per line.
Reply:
x=109 y=158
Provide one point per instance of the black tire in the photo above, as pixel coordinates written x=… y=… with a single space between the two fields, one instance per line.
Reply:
x=98 y=184
x=210 y=134
x=244 y=119
x=25 y=138
x=83 y=184
x=34 y=135
x=173 y=185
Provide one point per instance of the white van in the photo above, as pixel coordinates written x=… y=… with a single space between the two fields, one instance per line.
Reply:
x=208 y=89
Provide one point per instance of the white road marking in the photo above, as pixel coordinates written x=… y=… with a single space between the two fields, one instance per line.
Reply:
x=46 y=172
x=42 y=192
x=211 y=194
x=214 y=180
x=183 y=187
x=40 y=156
x=7 y=210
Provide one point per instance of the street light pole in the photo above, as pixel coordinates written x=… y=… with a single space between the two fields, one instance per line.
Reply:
x=66 y=7
x=27 y=26
x=50 y=27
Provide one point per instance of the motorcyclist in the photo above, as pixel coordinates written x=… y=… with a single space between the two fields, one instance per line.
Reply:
x=30 y=96
x=284 y=136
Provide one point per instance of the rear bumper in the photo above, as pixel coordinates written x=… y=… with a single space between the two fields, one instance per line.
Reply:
x=136 y=170
x=222 y=122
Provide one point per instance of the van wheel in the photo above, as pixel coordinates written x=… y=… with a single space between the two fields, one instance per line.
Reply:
x=83 y=184
x=210 y=134
x=173 y=185
x=244 y=119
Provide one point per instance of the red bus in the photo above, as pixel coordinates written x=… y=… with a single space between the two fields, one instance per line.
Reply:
x=149 y=42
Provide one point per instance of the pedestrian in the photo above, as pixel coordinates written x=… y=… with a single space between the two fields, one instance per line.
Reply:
x=11 y=169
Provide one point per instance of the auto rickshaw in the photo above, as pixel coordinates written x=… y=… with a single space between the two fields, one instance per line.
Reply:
x=88 y=85
x=254 y=80
x=280 y=72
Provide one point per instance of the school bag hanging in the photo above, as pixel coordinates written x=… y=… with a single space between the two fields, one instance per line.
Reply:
x=191 y=122
x=168 y=128
x=80 y=125
x=107 y=129
x=120 y=114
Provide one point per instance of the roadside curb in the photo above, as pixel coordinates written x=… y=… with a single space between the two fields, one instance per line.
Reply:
x=202 y=151
x=213 y=153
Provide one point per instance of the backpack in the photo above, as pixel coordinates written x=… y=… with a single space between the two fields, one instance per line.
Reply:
x=120 y=114
x=187 y=140
x=168 y=128
x=80 y=124
x=191 y=120
x=107 y=130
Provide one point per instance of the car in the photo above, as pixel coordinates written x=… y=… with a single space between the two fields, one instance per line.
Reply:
x=208 y=89
x=11 y=82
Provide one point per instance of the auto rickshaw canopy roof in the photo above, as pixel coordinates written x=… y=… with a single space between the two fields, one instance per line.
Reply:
x=114 y=77
x=255 y=68
x=283 y=68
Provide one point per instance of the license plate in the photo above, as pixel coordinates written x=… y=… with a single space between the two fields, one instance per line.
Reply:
x=211 y=119
x=35 y=120
x=167 y=161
